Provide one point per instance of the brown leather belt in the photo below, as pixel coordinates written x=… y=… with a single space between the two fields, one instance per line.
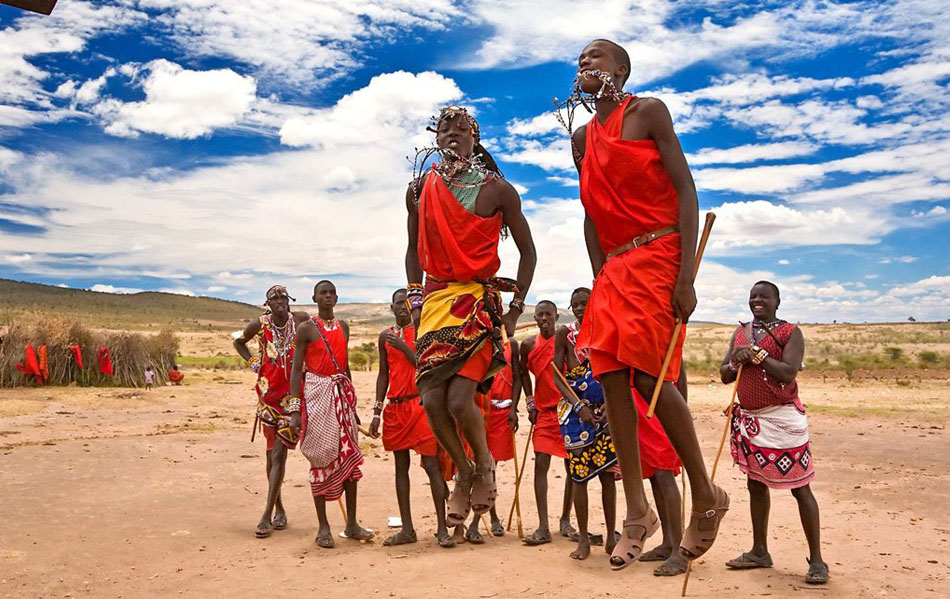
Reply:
x=643 y=240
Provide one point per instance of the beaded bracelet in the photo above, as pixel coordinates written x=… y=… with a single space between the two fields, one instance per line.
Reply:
x=759 y=354
x=529 y=401
x=292 y=404
x=254 y=363
x=517 y=304
x=415 y=293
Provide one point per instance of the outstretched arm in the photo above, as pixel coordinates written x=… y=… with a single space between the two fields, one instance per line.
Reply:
x=515 y=384
x=413 y=266
x=660 y=126
x=517 y=224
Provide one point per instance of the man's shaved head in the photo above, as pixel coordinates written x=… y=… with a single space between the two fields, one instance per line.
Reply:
x=547 y=303
x=620 y=55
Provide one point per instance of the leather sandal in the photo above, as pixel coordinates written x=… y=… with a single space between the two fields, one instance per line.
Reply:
x=696 y=541
x=629 y=547
x=459 y=502
x=484 y=491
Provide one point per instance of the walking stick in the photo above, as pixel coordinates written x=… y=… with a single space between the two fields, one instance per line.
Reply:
x=707 y=228
x=343 y=509
x=517 y=504
x=524 y=464
x=257 y=418
x=722 y=442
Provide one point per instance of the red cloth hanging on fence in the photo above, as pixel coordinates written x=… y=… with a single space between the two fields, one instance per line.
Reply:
x=77 y=355
x=31 y=366
x=44 y=362
x=105 y=361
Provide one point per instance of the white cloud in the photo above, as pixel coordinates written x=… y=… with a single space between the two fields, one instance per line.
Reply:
x=179 y=103
x=66 y=31
x=647 y=29
x=751 y=153
x=930 y=285
x=741 y=226
x=389 y=107
x=18 y=258
x=216 y=289
x=302 y=43
x=784 y=262
x=102 y=288
x=287 y=200
x=899 y=259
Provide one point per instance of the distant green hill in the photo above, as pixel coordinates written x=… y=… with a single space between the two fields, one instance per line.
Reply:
x=149 y=309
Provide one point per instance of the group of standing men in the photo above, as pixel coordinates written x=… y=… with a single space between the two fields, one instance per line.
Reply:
x=451 y=374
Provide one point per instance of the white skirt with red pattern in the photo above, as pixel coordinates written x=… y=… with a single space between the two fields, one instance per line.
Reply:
x=771 y=445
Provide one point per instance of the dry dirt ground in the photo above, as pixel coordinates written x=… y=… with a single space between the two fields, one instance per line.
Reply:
x=121 y=493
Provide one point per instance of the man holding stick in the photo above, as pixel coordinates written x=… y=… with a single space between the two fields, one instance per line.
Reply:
x=640 y=227
x=769 y=439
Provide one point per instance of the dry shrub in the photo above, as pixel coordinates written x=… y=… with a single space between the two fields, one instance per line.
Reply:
x=131 y=353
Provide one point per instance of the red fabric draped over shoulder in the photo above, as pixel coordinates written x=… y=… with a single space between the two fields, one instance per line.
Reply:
x=318 y=360
x=454 y=244
x=626 y=191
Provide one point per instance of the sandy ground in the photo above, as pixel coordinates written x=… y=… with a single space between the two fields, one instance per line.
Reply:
x=114 y=493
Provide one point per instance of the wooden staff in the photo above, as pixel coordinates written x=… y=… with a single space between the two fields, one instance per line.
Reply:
x=257 y=418
x=343 y=509
x=524 y=464
x=561 y=376
x=707 y=228
x=517 y=503
x=722 y=442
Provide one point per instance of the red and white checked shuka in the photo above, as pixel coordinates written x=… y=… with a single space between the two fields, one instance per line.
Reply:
x=329 y=440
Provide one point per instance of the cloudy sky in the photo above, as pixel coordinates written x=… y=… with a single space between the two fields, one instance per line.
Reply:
x=215 y=147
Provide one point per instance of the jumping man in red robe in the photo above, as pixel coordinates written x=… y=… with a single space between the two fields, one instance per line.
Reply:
x=641 y=226
x=457 y=210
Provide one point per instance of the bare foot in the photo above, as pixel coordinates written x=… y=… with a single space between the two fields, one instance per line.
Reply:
x=583 y=548
x=280 y=520
x=459 y=535
x=403 y=537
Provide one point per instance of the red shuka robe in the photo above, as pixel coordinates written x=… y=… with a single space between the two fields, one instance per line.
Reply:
x=626 y=191
x=31 y=366
x=405 y=425
x=77 y=355
x=105 y=361
x=454 y=244
x=547 y=432
x=501 y=442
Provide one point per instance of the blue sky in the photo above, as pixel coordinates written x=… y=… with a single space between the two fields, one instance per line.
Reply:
x=213 y=147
